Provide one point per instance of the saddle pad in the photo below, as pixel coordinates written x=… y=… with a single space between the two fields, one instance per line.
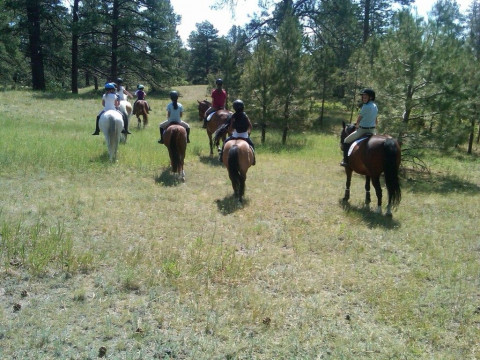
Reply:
x=210 y=116
x=355 y=143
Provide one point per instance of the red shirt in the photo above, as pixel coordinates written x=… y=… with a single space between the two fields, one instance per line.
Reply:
x=219 y=97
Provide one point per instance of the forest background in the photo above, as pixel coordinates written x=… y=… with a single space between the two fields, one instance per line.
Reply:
x=286 y=64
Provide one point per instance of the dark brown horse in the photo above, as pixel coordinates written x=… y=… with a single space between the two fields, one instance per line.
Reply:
x=219 y=118
x=175 y=139
x=371 y=157
x=141 y=109
x=237 y=158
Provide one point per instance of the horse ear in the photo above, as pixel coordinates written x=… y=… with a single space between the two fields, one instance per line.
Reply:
x=343 y=124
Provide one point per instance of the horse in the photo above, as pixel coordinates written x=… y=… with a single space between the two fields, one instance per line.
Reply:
x=111 y=124
x=125 y=108
x=175 y=139
x=141 y=109
x=217 y=119
x=237 y=158
x=371 y=157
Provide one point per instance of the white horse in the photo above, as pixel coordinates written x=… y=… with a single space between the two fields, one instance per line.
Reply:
x=111 y=124
x=125 y=108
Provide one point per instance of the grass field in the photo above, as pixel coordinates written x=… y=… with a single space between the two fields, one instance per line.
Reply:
x=121 y=261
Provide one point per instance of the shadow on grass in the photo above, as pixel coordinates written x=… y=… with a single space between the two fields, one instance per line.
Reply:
x=104 y=158
x=420 y=182
x=369 y=216
x=230 y=204
x=210 y=160
x=167 y=178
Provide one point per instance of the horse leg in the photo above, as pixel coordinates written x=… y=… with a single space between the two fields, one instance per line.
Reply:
x=211 y=144
x=346 y=196
x=368 y=200
x=378 y=192
x=139 y=122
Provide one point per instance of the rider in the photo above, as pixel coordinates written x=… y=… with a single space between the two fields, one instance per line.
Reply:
x=123 y=96
x=109 y=101
x=367 y=120
x=121 y=92
x=219 y=99
x=241 y=127
x=174 y=115
x=141 y=95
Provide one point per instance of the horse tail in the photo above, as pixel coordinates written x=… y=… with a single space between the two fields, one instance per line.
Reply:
x=113 y=137
x=173 y=147
x=238 y=181
x=220 y=132
x=392 y=181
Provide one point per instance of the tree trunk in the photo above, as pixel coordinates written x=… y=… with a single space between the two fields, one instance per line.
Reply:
x=470 y=138
x=264 y=131
x=284 y=135
x=366 y=22
x=33 y=8
x=478 y=136
x=114 y=63
x=74 y=79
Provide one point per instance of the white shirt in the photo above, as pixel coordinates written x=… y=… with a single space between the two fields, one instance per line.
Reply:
x=109 y=100
x=120 y=93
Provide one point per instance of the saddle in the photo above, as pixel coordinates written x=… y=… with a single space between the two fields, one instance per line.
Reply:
x=358 y=141
x=241 y=138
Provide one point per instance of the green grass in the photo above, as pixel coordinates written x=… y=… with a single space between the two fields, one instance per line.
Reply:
x=123 y=256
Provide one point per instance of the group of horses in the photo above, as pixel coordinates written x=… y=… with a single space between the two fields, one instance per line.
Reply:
x=370 y=157
x=111 y=124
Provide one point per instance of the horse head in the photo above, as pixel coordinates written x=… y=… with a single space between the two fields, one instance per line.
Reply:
x=346 y=130
x=202 y=107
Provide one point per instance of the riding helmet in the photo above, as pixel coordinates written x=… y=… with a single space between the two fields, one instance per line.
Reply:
x=119 y=80
x=109 y=86
x=219 y=82
x=238 y=105
x=369 y=92
x=140 y=87
x=173 y=95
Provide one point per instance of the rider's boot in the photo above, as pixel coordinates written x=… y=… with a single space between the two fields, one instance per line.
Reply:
x=125 y=125
x=188 y=135
x=161 y=136
x=344 y=162
x=97 y=129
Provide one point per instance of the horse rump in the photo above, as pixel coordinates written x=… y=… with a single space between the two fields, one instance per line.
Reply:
x=236 y=177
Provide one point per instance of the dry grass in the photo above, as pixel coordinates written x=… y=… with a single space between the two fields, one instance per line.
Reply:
x=150 y=268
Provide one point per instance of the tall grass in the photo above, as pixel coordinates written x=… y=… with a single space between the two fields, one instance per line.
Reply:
x=121 y=256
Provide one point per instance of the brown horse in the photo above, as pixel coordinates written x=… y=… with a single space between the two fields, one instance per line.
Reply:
x=371 y=157
x=175 y=139
x=141 y=109
x=237 y=158
x=218 y=119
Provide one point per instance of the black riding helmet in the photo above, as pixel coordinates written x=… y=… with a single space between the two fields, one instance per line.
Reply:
x=369 y=92
x=173 y=95
x=119 y=80
x=238 y=105
x=219 y=82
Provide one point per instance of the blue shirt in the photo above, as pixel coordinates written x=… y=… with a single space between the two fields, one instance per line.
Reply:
x=368 y=112
x=175 y=113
